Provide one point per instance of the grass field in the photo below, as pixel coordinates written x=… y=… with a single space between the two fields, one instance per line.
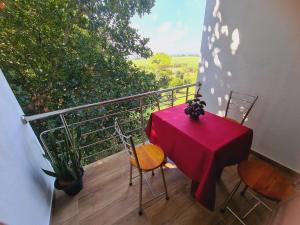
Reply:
x=191 y=61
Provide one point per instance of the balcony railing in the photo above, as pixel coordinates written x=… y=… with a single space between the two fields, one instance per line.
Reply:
x=96 y=120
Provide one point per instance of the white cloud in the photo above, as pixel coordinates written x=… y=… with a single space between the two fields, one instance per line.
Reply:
x=171 y=37
x=179 y=24
x=176 y=33
x=165 y=27
x=154 y=17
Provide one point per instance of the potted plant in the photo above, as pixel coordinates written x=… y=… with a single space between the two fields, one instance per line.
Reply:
x=65 y=159
x=195 y=107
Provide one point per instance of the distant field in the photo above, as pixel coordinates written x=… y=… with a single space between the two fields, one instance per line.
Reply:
x=190 y=61
x=182 y=70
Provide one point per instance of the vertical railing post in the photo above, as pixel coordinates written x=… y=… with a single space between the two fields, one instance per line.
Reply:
x=45 y=146
x=142 y=120
x=187 y=94
x=172 y=98
x=63 y=120
x=157 y=102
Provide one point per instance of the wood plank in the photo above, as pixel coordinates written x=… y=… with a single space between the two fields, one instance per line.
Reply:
x=65 y=208
x=107 y=199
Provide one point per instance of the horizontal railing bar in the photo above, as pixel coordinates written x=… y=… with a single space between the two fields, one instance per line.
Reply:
x=165 y=101
x=102 y=117
x=105 y=116
x=97 y=130
x=96 y=153
x=102 y=129
x=164 y=104
x=169 y=96
x=152 y=104
x=101 y=141
x=72 y=124
x=26 y=119
x=61 y=141
x=52 y=129
x=180 y=97
x=128 y=132
x=183 y=96
x=95 y=143
x=106 y=128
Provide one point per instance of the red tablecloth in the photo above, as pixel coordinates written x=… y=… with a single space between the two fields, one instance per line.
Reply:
x=200 y=149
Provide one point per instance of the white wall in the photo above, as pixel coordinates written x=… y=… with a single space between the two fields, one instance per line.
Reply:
x=25 y=192
x=253 y=46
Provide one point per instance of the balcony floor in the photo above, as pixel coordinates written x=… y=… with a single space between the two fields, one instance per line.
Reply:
x=108 y=199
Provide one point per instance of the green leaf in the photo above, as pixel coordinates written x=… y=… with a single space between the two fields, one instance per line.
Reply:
x=50 y=173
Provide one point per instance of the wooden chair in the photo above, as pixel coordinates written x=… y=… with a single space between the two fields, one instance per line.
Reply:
x=239 y=105
x=144 y=158
x=263 y=180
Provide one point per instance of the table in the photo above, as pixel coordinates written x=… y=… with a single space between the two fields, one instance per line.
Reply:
x=200 y=149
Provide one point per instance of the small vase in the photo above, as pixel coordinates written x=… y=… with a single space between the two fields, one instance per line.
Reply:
x=194 y=117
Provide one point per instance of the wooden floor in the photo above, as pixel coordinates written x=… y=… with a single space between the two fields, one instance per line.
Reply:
x=107 y=199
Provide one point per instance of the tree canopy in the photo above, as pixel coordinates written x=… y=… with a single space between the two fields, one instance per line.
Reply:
x=60 y=53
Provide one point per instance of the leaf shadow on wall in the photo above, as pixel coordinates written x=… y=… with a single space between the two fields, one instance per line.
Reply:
x=219 y=40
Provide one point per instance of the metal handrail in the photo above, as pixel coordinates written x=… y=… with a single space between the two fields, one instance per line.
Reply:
x=25 y=119
x=142 y=109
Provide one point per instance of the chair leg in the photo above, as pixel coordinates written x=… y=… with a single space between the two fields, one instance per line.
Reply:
x=130 y=176
x=230 y=196
x=141 y=193
x=164 y=181
x=244 y=190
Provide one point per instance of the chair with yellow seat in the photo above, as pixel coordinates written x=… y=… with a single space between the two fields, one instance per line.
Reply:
x=239 y=106
x=145 y=158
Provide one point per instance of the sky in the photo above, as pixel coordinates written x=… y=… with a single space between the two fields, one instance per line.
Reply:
x=173 y=26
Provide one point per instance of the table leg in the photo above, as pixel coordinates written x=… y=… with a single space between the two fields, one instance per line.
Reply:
x=219 y=174
x=194 y=186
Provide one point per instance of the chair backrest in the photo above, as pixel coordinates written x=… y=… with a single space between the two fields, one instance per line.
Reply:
x=239 y=105
x=127 y=141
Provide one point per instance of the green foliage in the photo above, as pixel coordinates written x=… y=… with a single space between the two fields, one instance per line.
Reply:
x=61 y=53
x=65 y=158
x=170 y=71
x=176 y=82
x=161 y=59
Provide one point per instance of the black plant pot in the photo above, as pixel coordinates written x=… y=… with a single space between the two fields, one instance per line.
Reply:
x=73 y=188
